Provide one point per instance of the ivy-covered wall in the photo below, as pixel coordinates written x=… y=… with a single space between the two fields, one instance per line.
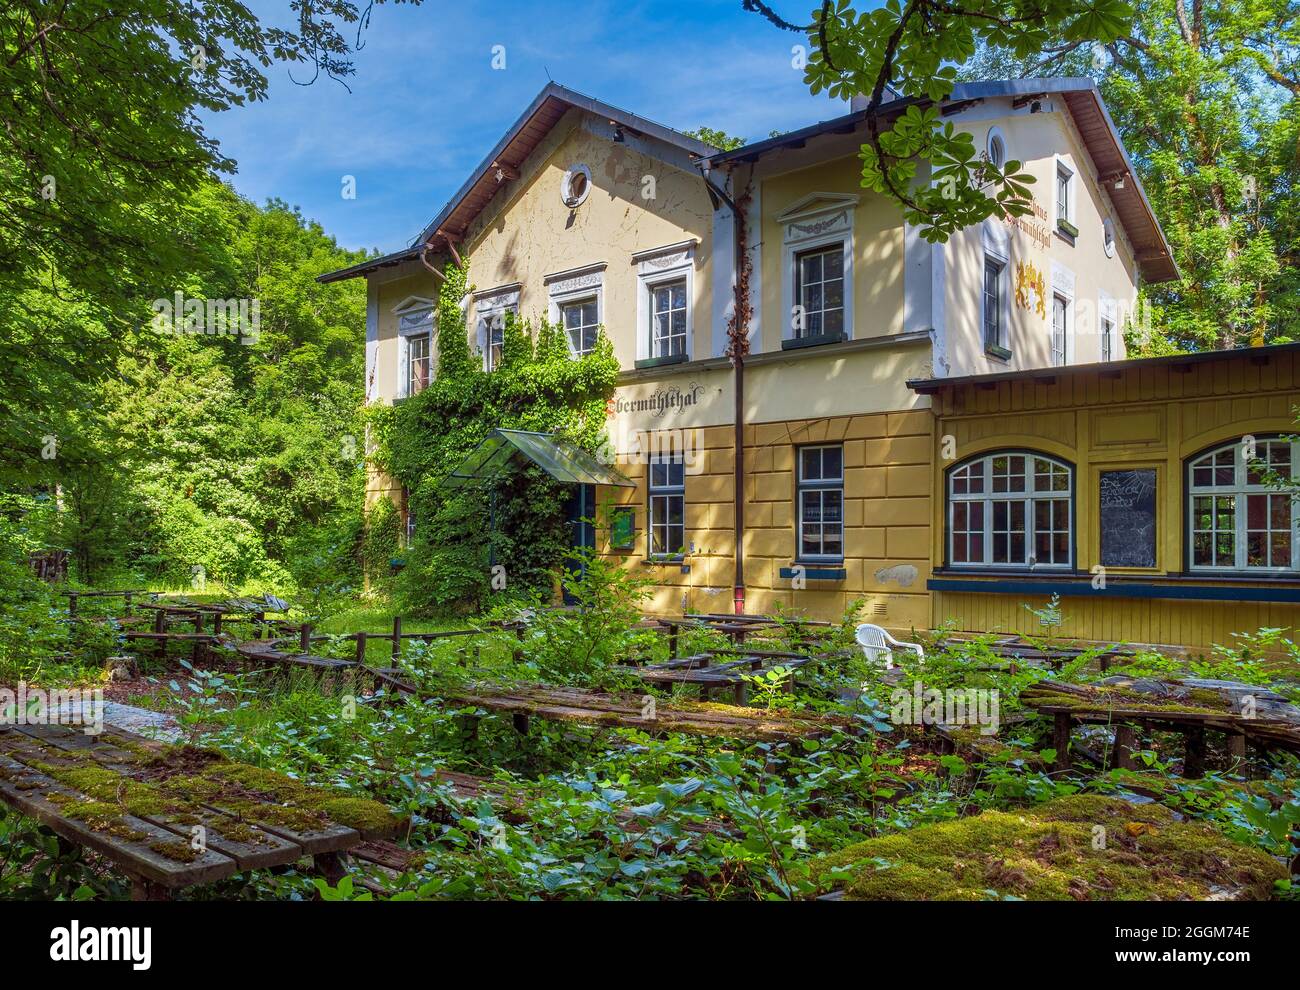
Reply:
x=417 y=441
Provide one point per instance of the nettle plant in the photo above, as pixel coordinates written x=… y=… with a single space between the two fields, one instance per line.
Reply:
x=518 y=522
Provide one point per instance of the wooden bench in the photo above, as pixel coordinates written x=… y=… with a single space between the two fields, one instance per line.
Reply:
x=161 y=845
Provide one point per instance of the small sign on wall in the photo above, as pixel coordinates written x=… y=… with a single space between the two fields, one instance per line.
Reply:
x=622 y=527
x=1128 y=518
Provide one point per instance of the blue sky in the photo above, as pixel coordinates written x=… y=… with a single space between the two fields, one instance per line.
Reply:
x=426 y=106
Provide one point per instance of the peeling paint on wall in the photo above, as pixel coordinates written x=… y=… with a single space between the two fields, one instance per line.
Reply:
x=904 y=574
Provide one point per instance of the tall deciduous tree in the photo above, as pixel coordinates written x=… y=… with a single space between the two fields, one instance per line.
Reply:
x=1207 y=98
x=912 y=47
x=100 y=148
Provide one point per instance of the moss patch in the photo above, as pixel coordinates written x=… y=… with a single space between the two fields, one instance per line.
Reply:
x=1052 y=853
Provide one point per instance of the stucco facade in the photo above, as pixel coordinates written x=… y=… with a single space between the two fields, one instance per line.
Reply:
x=848 y=426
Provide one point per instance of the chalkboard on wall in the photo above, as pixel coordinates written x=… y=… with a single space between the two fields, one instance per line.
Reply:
x=1128 y=518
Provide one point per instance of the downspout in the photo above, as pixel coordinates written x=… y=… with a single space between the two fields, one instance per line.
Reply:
x=736 y=352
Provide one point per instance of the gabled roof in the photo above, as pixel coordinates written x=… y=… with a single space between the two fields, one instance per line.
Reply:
x=506 y=157
x=1100 y=138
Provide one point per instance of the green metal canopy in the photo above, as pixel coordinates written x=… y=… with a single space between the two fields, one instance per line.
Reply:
x=562 y=459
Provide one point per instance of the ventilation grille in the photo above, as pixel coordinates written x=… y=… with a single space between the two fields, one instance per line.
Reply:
x=879 y=609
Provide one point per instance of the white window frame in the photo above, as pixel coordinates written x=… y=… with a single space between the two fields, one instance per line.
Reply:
x=1107 y=328
x=988 y=496
x=489 y=306
x=997 y=248
x=411 y=306
x=575 y=285
x=1071 y=186
x=997 y=137
x=1238 y=490
x=1063 y=284
x=664 y=495
x=824 y=484
x=669 y=263
x=818 y=220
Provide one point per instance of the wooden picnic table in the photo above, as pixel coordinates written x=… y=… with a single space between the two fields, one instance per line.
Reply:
x=715 y=670
x=126 y=798
x=1067 y=704
x=571 y=704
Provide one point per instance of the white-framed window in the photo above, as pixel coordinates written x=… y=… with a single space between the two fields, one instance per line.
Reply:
x=1236 y=520
x=667 y=493
x=819 y=291
x=1061 y=313
x=994 y=299
x=418 y=364
x=1011 y=509
x=668 y=307
x=492 y=308
x=414 y=345
x=666 y=303
x=1107 y=327
x=576 y=301
x=821 y=502
x=997 y=148
x=1060 y=327
x=817 y=265
x=581 y=321
x=993 y=304
x=1064 y=192
x=575 y=187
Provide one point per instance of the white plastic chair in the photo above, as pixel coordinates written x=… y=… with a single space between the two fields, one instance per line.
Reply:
x=878 y=645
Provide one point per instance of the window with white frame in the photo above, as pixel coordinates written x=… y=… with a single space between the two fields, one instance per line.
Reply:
x=817 y=262
x=1106 y=327
x=1064 y=193
x=667 y=488
x=1012 y=509
x=1237 y=518
x=1060 y=327
x=665 y=291
x=581 y=320
x=415 y=340
x=997 y=149
x=492 y=310
x=492 y=334
x=994 y=304
x=819 y=292
x=668 y=305
x=576 y=301
x=821 y=502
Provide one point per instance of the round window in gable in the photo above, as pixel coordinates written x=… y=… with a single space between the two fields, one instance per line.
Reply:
x=997 y=148
x=1108 y=237
x=576 y=185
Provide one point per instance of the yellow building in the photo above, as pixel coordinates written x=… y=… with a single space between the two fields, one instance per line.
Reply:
x=877 y=362
x=1139 y=491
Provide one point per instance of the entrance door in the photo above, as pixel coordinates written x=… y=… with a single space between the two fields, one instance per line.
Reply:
x=581 y=516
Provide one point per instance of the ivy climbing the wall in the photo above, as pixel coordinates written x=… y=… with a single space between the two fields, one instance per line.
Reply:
x=518 y=522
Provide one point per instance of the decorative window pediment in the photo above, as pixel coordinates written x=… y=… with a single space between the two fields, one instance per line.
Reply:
x=818 y=214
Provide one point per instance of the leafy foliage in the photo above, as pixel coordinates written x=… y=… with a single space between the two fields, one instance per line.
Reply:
x=516 y=522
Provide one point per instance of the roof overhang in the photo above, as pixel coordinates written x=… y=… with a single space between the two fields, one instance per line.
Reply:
x=504 y=162
x=1093 y=122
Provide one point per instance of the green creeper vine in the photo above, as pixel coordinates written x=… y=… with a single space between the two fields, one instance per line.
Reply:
x=518 y=522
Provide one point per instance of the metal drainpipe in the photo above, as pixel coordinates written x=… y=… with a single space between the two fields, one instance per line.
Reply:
x=738 y=363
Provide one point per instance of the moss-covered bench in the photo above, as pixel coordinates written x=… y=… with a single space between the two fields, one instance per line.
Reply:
x=1083 y=847
x=170 y=817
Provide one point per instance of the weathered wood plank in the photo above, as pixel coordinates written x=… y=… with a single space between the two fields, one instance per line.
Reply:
x=29 y=791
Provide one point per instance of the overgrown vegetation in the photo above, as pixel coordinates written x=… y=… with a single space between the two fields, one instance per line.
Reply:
x=517 y=519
